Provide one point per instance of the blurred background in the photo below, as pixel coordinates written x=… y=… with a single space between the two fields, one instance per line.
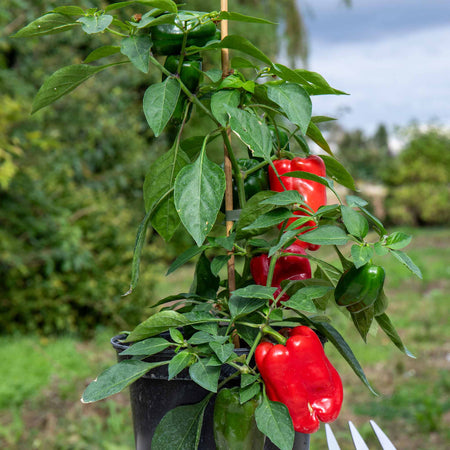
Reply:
x=71 y=200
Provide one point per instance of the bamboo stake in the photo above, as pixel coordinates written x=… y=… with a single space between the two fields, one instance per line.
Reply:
x=225 y=56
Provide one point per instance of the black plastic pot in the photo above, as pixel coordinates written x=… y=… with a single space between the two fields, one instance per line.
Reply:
x=152 y=396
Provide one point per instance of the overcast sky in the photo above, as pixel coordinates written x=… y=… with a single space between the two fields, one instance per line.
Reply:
x=392 y=56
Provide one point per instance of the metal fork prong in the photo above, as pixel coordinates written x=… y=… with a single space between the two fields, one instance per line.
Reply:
x=386 y=444
x=358 y=441
x=331 y=440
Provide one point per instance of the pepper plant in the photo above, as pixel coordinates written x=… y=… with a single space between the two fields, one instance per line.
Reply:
x=258 y=283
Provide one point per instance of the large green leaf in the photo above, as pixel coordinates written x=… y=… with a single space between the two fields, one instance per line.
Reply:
x=361 y=254
x=179 y=362
x=326 y=235
x=314 y=133
x=236 y=42
x=95 y=24
x=160 y=100
x=137 y=48
x=273 y=419
x=363 y=321
x=221 y=101
x=156 y=324
x=251 y=132
x=205 y=376
x=242 y=306
x=63 y=81
x=147 y=347
x=165 y=5
x=337 y=172
x=186 y=256
x=270 y=219
x=355 y=222
x=102 y=52
x=397 y=240
x=386 y=325
x=158 y=188
x=294 y=101
x=48 y=24
x=407 y=262
x=180 y=428
x=226 y=15
x=116 y=378
x=199 y=190
x=256 y=291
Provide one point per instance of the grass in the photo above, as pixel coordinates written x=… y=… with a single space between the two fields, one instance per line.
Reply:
x=44 y=378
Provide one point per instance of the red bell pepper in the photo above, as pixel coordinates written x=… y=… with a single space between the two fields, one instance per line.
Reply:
x=313 y=193
x=286 y=268
x=300 y=375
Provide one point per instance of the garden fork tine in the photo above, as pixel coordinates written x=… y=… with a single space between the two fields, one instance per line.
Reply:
x=331 y=440
x=358 y=441
x=386 y=444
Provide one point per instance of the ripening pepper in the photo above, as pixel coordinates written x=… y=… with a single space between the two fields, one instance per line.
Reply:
x=286 y=268
x=234 y=424
x=300 y=375
x=168 y=38
x=255 y=182
x=313 y=193
x=190 y=74
x=359 y=288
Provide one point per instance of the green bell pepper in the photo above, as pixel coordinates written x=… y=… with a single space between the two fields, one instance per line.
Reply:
x=234 y=424
x=359 y=288
x=168 y=38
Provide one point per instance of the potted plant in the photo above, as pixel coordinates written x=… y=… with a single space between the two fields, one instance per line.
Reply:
x=244 y=344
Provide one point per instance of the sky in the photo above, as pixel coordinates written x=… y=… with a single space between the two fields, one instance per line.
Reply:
x=391 y=56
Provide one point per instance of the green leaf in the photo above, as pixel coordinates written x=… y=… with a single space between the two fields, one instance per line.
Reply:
x=386 y=325
x=273 y=420
x=160 y=100
x=223 y=351
x=165 y=5
x=221 y=101
x=241 y=306
x=116 y=378
x=282 y=242
x=355 y=223
x=69 y=10
x=256 y=291
x=225 y=15
x=50 y=23
x=337 y=172
x=242 y=63
x=215 y=75
x=148 y=21
x=205 y=376
x=147 y=347
x=247 y=379
x=156 y=324
x=407 y=261
x=205 y=283
x=326 y=235
x=158 y=191
x=302 y=300
x=102 y=52
x=308 y=176
x=353 y=200
x=397 y=240
x=294 y=101
x=62 y=82
x=176 y=336
x=179 y=362
x=343 y=348
x=199 y=190
x=251 y=211
x=180 y=428
x=252 y=132
x=270 y=219
x=186 y=256
x=223 y=242
x=137 y=49
x=95 y=24
x=236 y=42
x=380 y=249
x=247 y=393
x=363 y=320
x=374 y=220
x=314 y=133
x=287 y=74
x=361 y=254
x=201 y=337
x=284 y=198
x=319 y=85
x=218 y=263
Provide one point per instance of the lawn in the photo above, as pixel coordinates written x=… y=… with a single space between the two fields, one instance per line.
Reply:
x=44 y=377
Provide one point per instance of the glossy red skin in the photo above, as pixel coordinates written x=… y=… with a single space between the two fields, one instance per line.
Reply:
x=300 y=375
x=286 y=268
x=313 y=193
